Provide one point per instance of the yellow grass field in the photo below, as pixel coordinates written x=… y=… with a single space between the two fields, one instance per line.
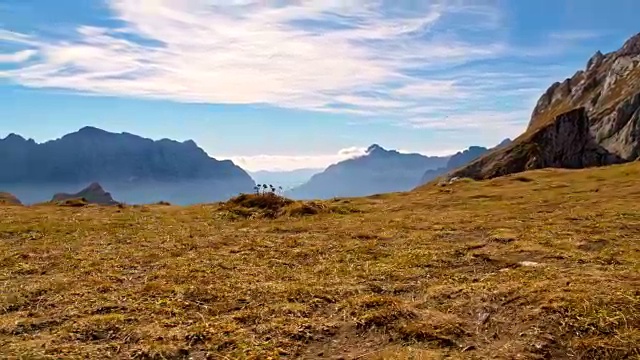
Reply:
x=540 y=265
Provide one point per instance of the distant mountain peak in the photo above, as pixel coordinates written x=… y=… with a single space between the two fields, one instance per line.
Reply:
x=95 y=187
x=505 y=142
x=93 y=194
x=14 y=137
x=90 y=130
x=375 y=148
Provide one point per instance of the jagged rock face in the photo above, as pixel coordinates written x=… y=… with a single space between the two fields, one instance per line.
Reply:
x=590 y=119
x=597 y=89
x=568 y=143
x=93 y=194
x=619 y=131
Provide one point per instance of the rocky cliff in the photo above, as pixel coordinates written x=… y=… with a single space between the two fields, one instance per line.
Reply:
x=590 y=119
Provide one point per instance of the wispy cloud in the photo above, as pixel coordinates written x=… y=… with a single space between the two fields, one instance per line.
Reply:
x=17 y=57
x=576 y=35
x=474 y=120
x=292 y=162
x=15 y=37
x=317 y=161
x=307 y=54
x=369 y=58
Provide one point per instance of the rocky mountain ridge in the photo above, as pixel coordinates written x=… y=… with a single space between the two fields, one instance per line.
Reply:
x=460 y=159
x=127 y=163
x=590 y=119
x=92 y=154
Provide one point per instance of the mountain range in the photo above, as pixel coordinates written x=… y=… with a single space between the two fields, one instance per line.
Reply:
x=134 y=168
x=378 y=171
x=590 y=119
x=140 y=170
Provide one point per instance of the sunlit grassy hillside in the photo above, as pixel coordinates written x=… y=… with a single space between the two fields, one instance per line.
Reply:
x=537 y=265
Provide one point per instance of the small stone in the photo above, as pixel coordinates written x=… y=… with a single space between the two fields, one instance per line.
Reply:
x=530 y=264
x=483 y=317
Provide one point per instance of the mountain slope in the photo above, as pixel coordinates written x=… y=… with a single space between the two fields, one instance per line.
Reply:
x=591 y=119
x=460 y=159
x=9 y=199
x=119 y=161
x=93 y=194
x=378 y=171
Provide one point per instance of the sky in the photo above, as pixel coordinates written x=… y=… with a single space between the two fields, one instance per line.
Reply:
x=281 y=85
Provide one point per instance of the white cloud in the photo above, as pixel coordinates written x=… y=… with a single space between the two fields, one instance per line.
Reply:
x=14 y=37
x=17 y=57
x=576 y=35
x=317 y=161
x=401 y=61
x=311 y=55
x=495 y=125
x=436 y=89
x=292 y=162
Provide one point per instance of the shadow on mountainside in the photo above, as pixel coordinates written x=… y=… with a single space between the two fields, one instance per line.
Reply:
x=564 y=143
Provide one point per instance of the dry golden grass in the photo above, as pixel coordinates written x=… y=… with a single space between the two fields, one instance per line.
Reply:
x=537 y=265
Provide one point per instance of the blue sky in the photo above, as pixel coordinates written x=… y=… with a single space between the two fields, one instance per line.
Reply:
x=293 y=84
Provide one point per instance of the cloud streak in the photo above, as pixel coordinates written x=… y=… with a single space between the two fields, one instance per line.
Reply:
x=313 y=55
x=317 y=161
x=356 y=57
x=17 y=57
